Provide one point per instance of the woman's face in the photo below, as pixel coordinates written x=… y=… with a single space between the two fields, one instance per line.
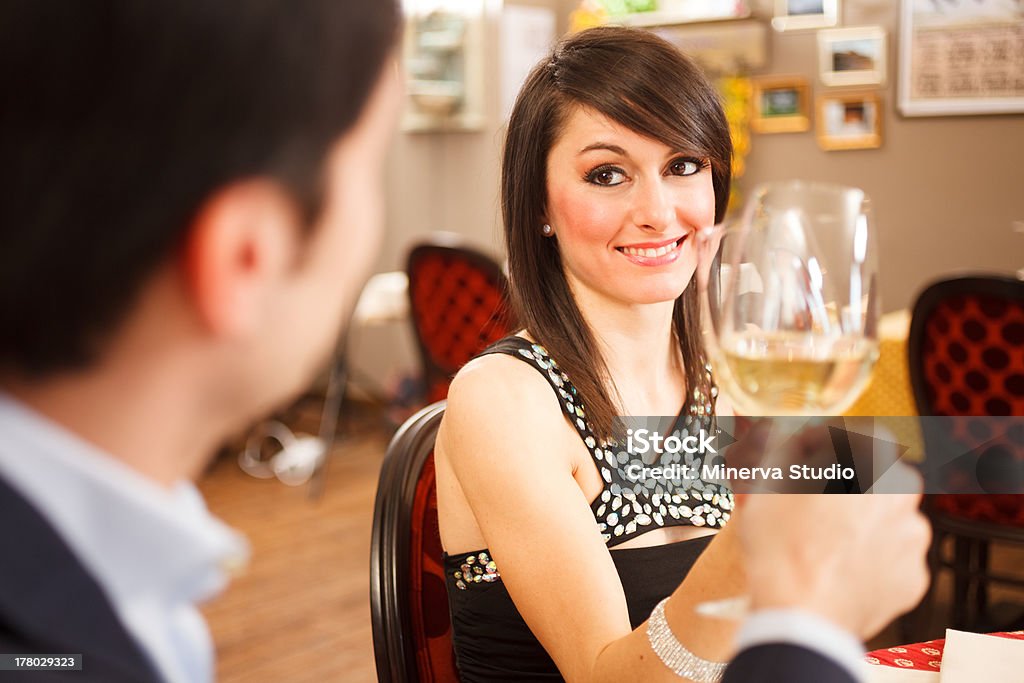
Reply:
x=625 y=210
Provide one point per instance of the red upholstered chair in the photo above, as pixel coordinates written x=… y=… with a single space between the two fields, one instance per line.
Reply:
x=457 y=299
x=408 y=599
x=966 y=358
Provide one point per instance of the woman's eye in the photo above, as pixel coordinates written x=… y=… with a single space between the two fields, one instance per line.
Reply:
x=606 y=175
x=686 y=166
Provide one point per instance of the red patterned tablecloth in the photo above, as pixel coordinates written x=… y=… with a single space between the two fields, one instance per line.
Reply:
x=926 y=656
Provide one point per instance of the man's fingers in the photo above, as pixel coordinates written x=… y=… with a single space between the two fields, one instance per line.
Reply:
x=898 y=478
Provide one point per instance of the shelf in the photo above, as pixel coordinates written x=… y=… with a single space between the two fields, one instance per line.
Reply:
x=671 y=18
x=727 y=45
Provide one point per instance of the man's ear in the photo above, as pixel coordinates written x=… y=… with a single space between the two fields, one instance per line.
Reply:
x=242 y=242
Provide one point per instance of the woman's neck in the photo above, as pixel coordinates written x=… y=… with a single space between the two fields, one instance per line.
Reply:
x=641 y=352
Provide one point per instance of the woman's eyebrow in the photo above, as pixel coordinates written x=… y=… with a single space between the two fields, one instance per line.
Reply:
x=605 y=146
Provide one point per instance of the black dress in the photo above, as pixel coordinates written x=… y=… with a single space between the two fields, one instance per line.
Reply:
x=492 y=641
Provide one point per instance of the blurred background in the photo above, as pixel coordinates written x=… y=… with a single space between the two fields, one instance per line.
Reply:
x=918 y=102
x=946 y=189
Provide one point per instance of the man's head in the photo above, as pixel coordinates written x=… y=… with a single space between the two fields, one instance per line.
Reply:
x=189 y=172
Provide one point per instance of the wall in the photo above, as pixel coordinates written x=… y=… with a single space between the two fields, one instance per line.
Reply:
x=449 y=181
x=440 y=181
x=945 y=189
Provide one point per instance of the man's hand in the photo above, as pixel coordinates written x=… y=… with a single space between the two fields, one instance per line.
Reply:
x=856 y=560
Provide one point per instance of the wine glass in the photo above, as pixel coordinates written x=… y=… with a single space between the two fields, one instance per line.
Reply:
x=791 y=300
x=791 y=306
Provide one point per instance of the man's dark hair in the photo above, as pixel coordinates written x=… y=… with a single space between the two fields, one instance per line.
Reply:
x=120 y=117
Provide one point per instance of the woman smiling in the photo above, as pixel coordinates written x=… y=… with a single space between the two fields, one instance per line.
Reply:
x=617 y=156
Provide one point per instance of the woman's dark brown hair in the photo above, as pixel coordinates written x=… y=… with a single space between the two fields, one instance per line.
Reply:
x=645 y=84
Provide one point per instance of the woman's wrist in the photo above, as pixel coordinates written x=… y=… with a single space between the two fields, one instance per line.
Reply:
x=676 y=656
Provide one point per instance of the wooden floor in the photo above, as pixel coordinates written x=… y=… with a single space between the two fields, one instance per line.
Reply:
x=301 y=610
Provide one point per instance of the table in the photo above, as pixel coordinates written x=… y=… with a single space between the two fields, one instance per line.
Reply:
x=384 y=299
x=923 y=657
x=383 y=311
x=889 y=391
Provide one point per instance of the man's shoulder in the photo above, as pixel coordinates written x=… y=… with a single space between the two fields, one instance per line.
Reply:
x=49 y=603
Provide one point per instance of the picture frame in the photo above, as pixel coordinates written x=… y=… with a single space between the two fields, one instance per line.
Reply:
x=849 y=120
x=781 y=104
x=795 y=15
x=852 y=56
x=961 y=58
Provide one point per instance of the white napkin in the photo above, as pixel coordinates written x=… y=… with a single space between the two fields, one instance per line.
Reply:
x=876 y=673
x=973 y=657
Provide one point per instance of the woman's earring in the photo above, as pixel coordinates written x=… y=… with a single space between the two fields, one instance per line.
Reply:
x=546 y=230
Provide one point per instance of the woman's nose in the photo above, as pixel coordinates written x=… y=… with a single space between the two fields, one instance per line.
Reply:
x=652 y=206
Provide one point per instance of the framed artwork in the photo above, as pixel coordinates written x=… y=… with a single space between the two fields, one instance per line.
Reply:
x=791 y=15
x=852 y=56
x=781 y=104
x=849 y=120
x=961 y=57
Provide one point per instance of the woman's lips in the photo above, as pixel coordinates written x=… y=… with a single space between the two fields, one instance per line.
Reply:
x=653 y=256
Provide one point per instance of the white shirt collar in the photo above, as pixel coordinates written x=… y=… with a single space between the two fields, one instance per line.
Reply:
x=143 y=543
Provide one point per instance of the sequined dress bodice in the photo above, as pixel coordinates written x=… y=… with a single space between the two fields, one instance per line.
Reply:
x=625 y=509
x=492 y=641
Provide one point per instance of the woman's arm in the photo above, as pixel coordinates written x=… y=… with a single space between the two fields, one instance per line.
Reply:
x=511 y=451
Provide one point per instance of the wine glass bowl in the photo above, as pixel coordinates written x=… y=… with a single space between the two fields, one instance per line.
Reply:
x=791 y=300
x=790 y=305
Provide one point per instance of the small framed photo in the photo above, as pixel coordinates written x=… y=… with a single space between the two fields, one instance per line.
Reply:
x=793 y=15
x=782 y=104
x=849 y=120
x=852 y=56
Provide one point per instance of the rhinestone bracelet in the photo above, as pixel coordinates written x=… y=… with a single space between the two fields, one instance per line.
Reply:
x=671 y=652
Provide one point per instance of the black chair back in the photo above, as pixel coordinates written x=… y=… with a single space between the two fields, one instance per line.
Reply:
x=408 y=598
x=966 y=361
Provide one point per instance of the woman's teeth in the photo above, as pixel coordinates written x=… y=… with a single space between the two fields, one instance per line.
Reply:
x=650 y=253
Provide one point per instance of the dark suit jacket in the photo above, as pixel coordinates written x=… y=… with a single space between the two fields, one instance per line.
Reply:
x=49 y=604
x=783 y=663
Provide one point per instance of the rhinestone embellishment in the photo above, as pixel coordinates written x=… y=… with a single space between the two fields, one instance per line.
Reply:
x=476 y=568
x=626 y=507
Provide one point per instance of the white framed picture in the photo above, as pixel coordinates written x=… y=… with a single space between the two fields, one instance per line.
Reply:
x=793 y=15
x=961 y=58
x=852 y=56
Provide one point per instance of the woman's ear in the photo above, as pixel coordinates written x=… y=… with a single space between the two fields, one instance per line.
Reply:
x=241 y=244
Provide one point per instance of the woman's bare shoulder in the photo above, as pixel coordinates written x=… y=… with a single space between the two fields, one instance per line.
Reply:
x=503 y=401
x=500 y=381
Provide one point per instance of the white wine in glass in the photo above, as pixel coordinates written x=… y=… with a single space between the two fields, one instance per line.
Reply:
x=784 y=373
x=791 y=300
